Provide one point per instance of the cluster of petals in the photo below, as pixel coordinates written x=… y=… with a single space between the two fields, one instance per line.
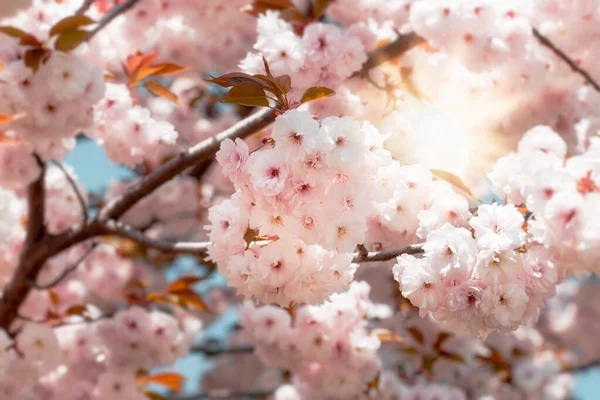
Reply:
x=327 y=347
x=305 y=201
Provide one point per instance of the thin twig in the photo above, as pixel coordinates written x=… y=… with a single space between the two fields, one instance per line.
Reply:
x=67 y=271
x=178 y=164
x=126 y=231
x=80 y=198
x=576 y=68
x=387 y=254
x=225 y=394
x=84 y=7
x=586 y=367
x=214 y=351
x=41 y=248
x=110 y=15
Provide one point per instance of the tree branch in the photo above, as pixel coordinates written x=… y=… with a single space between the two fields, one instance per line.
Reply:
x=126 y=231
x=84 y=7
x=39 y=248
x=195 y=154
x=390 y=51
x=110 y=15
x=225 y=394
x=215 y=351
x=82 y=203
x=386 y=255
x=36 y=207
x=67 y=271
x=576 y=68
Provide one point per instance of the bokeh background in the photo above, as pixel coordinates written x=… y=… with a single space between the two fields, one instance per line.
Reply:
x=96 y=171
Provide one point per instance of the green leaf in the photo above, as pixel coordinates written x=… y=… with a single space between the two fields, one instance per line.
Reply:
x=316 y=93
x=247 y=94
x=70 y=23
x=68 y=40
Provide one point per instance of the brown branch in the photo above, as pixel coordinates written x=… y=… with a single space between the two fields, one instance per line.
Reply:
x=215 y=351
x=390 y=51
x=225 y=394
x=110 y=15
x=78 y=194
x=39 y=248
x=67 y=271
x=586 y=367
x=84 y=7
x=126 y=231
x=195 y=154
x=36 y=207
x=558 y=52
x=386 y=255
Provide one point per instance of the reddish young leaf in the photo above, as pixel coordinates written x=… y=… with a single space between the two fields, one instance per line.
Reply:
x=170 y=69
x=416 y=334
x=33 y=58
x=12 y=31
x=76 y=310
x=70 y=39
x=53 y=297
x=72 y=22
x=320 y=7
x=234 y=78
x=5 y=119
x=152 y=395
x=156 y=88
x=247 y=94
x=183 y=283
x=451 y=356
x=261 y=6
x=147 y=60
x=30 y=40
x=133 y=61
x=142 y=73
x=316 y=93
x=169 y=380
x=188 y=298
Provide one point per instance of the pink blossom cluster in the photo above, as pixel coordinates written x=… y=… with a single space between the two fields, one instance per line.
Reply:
x=96 y=361
x=128 y=132
x=563 y=193
x=49 y=107
x=201 y=34
x=323 y=55
x=482 y=34
x=306 y=201
x=390 y=13
x=327 y=347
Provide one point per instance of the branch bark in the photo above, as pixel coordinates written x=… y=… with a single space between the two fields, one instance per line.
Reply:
x=110 y=15
x=39 y=247
x=563 y=56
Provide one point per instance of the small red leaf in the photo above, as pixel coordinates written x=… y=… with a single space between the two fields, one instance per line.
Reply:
x=156 y=88
x=169 y=380
x=247 y=94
